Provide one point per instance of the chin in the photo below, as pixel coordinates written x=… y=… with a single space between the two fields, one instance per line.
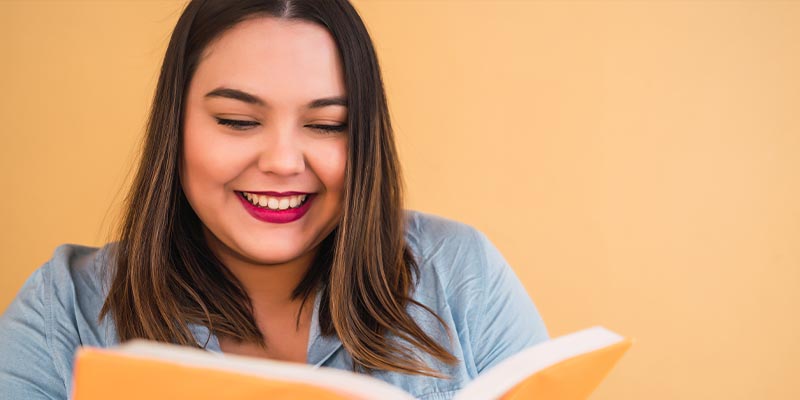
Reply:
x=277 y=253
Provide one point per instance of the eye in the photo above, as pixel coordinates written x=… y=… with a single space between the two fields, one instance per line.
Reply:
x=237 y=124
x=328 y=129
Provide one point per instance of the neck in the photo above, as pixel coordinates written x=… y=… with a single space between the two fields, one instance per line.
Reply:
x=269 y=286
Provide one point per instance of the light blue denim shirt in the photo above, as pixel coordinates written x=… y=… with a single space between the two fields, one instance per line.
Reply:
x=463 y=278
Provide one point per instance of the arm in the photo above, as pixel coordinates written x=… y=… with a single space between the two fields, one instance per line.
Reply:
x=28 y=370
x=508 y=321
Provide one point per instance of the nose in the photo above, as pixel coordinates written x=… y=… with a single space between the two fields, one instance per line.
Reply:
x=282 y=153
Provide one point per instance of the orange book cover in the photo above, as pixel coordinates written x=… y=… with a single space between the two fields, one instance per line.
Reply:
x=564 y=368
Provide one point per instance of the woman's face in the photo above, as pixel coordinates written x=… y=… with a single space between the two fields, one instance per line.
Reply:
x=265 y=142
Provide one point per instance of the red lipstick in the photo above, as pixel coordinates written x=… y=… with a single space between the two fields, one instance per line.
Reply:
x=277 y=216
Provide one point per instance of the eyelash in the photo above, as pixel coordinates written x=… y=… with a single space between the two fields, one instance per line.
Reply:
x=245 y=125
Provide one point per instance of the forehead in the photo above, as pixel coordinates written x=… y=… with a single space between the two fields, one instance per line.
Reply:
x=279 y=60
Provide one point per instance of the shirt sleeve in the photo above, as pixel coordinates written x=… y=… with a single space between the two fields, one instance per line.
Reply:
x=28 y=370
x=507 y=321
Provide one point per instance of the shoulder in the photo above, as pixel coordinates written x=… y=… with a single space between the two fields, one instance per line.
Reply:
x=428 y=234
x=427 y=228
x=76 y=277
x=54 y=312
x=454 y=251
x=466 y=279
x=78 y=264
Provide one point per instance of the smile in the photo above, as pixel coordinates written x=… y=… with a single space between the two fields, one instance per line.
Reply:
x=276 y=209
x=274 y=202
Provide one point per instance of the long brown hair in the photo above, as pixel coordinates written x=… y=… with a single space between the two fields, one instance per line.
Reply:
x=165 y=276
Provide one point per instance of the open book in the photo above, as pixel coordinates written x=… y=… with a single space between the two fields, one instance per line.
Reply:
x=568 y=367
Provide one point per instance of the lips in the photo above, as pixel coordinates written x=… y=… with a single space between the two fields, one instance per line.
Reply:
x=274 y=202
x=277 y=214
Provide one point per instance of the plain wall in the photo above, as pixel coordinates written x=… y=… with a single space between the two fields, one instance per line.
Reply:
x=638 y=163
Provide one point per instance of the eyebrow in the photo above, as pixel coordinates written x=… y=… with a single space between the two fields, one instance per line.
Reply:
x=248 y=98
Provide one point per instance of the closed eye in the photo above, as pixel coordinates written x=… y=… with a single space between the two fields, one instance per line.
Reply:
x=328 y=129
x=237 y=123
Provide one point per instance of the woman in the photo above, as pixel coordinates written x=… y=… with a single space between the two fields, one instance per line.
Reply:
x=266 y=220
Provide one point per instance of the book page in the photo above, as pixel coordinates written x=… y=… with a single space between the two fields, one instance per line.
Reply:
x=577 y=360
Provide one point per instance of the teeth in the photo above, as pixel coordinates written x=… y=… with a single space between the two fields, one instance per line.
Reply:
x=275 y=203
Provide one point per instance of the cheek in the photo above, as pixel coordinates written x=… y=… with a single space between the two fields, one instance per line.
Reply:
x=209 y=160
x=329 y=163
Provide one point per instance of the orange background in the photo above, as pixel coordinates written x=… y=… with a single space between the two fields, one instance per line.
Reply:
x=638 y=163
